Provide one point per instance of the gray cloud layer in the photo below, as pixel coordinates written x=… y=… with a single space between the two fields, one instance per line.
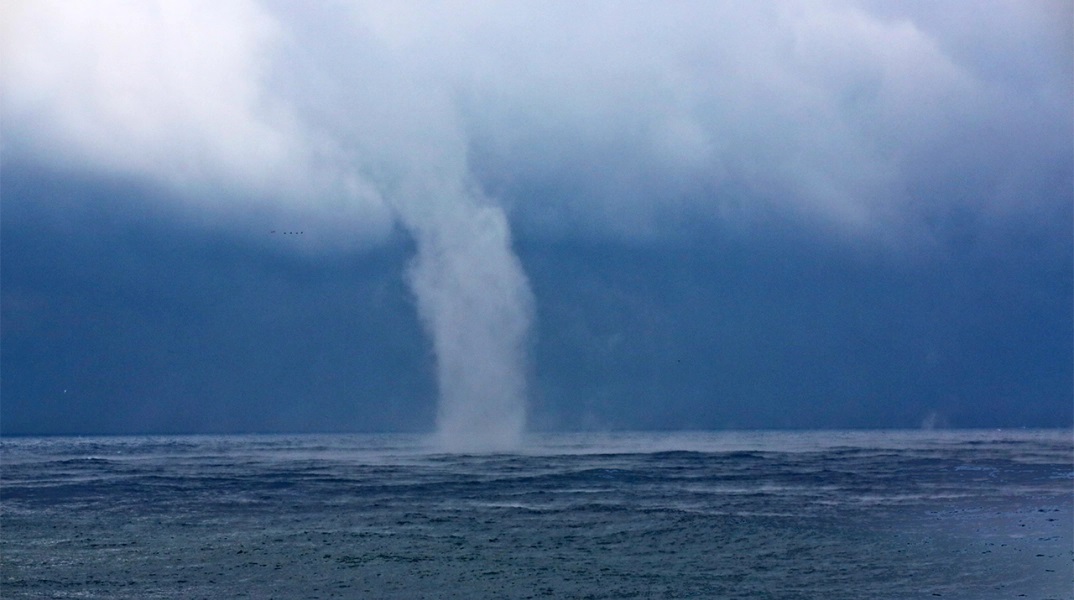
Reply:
x=866 y=119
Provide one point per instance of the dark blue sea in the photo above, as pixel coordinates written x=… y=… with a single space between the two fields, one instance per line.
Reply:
x=825 y=515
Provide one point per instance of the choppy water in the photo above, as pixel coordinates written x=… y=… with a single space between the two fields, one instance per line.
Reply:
x=716 y=515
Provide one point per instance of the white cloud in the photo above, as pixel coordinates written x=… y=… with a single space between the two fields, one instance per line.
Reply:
x=172 y=93
x=168 y=89
x=596 y=117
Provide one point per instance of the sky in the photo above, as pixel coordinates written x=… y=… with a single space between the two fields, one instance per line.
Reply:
x=481 y=218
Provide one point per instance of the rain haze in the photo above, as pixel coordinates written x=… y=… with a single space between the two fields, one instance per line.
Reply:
x=485 y=218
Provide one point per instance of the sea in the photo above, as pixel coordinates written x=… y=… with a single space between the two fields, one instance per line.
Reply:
x=780 y=515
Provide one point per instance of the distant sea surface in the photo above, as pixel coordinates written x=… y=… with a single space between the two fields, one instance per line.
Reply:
x=825 y=515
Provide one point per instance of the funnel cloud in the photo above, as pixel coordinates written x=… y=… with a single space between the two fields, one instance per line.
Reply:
x=476 y=304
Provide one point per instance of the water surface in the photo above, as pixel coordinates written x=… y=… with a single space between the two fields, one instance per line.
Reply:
x=967 y=514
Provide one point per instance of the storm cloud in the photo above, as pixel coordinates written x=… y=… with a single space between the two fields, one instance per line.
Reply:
x=921 y=151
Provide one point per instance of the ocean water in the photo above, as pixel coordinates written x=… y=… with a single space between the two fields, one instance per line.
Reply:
x=963 y=514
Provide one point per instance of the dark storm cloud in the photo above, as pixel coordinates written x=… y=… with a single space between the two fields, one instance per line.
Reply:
x=119 y=321
x=777 y=333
